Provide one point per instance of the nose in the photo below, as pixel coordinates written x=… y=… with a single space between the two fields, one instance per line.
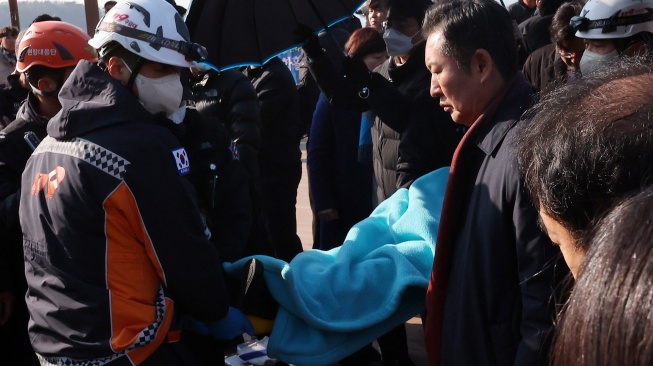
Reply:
x=435 y=90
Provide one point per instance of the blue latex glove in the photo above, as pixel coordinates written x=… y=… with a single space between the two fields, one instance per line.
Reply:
x=232 y=326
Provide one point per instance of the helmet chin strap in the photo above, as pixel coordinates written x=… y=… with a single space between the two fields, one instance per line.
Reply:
x=137 y=68
x=58 y=79
x=37 y=91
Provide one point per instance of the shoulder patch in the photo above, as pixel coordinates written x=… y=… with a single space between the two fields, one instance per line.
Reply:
x=181 y=158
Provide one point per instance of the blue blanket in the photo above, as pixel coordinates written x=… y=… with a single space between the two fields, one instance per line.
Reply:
x=334 y=302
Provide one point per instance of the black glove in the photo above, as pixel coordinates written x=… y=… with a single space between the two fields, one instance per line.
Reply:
x=232 y=326
x=356 y=74
x=311 y=43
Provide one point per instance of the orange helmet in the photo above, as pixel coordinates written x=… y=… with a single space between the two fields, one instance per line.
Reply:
x=53 y=44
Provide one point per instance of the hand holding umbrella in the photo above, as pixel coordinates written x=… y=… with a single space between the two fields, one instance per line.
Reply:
x=251 y=32
x=311 y=43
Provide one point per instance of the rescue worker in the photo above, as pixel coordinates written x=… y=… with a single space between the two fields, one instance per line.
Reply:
x=115 y=247
x=45 y=73
x=613 y=28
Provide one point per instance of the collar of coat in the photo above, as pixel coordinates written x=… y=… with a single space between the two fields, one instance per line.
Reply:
x=507 y=108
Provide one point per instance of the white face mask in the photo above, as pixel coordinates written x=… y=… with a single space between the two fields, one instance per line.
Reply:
x=161 y=94
x=592 y=61
x=397 y=43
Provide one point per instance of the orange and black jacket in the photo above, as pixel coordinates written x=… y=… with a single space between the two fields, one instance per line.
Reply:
x=114 y=243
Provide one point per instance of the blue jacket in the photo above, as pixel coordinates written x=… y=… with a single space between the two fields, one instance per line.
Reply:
x=336 y=177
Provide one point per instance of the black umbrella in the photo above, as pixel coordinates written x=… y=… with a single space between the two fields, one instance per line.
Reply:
x=251 y=32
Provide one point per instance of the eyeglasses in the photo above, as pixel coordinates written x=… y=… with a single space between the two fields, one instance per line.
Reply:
x=568 y=55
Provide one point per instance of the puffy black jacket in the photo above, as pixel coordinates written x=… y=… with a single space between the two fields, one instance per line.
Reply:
x=221 y=182
x=230 y=98
x=279 y=105
x=280 y=155
x=412 y=134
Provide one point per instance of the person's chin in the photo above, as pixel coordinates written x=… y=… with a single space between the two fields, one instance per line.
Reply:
x=460 y=119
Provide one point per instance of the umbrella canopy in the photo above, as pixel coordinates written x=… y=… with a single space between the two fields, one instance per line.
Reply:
x=251 y=32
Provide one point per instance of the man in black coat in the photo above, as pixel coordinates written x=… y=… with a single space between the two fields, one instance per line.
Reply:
x=228 y=98
x=280 y=156
x=536 y=29
x=490 y=299
x=522 y=10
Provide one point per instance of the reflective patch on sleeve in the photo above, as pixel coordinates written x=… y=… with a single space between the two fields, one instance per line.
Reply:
x=181 y=158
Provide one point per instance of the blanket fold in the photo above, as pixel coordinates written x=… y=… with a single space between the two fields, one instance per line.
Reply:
x=334 y=302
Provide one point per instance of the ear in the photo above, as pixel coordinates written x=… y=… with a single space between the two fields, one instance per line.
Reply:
x=46 y=84
x=117 y=68
x=482 y=65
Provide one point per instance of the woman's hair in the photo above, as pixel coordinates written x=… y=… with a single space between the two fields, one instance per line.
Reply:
x=560 y=28
x=374 y=4
x=588 y=143
x=607 y=320
x=364 y=41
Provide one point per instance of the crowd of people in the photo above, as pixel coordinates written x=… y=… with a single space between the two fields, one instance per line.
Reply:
x=147 y=199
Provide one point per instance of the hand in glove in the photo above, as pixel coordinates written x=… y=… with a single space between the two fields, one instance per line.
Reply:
x=311 y=43
x=232 y=326
x=356 y=75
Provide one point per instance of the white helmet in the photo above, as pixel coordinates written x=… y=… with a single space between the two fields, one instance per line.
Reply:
x=151 y=29
x=609 y=19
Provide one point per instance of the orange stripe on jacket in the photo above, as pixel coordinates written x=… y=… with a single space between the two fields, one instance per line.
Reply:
x=139 y=355
x=134 y=276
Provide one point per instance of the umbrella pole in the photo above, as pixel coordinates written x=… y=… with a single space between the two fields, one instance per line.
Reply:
x=324 y=24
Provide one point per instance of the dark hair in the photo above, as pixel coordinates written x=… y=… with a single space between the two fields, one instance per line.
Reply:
x=45 y=18
x=607 y=319
x=561 y=30
x=588 y=143
x=180 y=9
x=8 y=31
x=109 y=4
x=549 y=7
x=363 y=42
x=407 y=8
x=374 y=4
x=469 y=25
x=114 y=48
